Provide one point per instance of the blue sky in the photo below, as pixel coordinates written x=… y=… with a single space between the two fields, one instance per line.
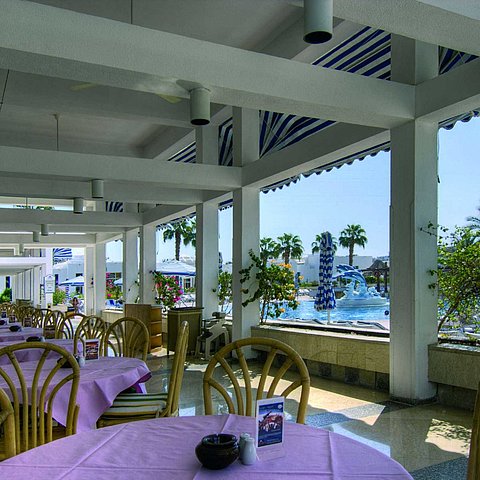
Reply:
x=358 y=193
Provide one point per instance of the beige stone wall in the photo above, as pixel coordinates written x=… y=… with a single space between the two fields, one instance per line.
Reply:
x=365 y=353
x=457 y=365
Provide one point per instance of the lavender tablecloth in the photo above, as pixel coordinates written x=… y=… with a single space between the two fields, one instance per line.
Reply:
x=7 y=336
x=100 y=382
x=165 y=449
x=33 y=354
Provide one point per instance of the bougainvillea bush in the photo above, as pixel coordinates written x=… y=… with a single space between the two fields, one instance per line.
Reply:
x=168 y=291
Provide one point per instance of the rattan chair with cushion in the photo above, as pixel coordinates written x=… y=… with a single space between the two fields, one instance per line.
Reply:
x=89 y=328
x=23 y=312
x=7 y=423
x=272 y=381
x=34 y=425
x=53 y=318
x=131 y=407
x=127 y=337
x=473 y=472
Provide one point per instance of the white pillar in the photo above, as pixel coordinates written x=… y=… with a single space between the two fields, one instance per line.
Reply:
x=413 y=253
x=48 y=271
x=38 y=277
x=89 y=276
x=206 y=254
x=148 y=263
x=207 y=258
x=246 y=220
x=99 y=277
x=130 y=266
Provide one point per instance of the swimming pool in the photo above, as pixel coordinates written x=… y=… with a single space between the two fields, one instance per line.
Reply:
x=306 y=311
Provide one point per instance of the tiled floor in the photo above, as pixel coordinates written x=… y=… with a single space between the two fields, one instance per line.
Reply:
x=430 y=441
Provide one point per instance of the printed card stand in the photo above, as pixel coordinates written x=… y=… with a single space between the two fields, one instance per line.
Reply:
x=12 y=319
x=3 y=314
x=49 y=332
x=27 y=322
x=92 y=349
x=270 y=419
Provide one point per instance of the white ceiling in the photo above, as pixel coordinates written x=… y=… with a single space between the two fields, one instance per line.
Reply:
x=74 y=68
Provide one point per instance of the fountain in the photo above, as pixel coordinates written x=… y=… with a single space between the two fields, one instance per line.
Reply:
x=361 y=297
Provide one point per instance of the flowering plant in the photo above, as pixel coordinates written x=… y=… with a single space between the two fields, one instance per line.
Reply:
x=167 y=289
x=276 y=286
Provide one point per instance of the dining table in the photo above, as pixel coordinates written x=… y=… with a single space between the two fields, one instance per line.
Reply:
x=8 y=336
x=164 y=448
x=101 y=380
x=32 y=354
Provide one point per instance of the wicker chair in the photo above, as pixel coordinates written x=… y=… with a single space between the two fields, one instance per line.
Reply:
x=7 y=421
x=53 y=317
x=246 y=406
x=34 y=425
x=90 y=327
x=38 y=317
x=64 y=328
x=23 y=312
x=127 y=337
x=473 y=472
x=131 y=407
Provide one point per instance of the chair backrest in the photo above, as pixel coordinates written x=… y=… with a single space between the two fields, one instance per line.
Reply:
x=38 y=317
x=127 y=337
x=8 y=307
x=64 y=328
x=23 y=312
x=90 y=327
x=267 y=387
x=53 y=318
x=473 y=472
x=38 y=388
x=7 y=421
x=176 y=376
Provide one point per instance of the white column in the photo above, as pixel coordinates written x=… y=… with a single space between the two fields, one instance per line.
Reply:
x=246 y=220
x=38 y=277
x=99 y=277
x=206 y=256
x=130 y=266
x=89 y=276
x=48 y=271
x=413 y=253
x=148 y=263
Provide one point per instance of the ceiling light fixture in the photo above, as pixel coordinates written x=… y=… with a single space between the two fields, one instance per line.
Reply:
x=97 y=188
x=200 y=106
x=318 y=20
x=78 y=205
x=36 y=237
x=44 y=230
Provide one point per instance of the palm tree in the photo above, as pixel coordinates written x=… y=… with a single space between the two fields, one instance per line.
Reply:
x=269 y=248
x=178 y=231
x=351 y=236
x=290 y=246
x=474 y=221
x=190 y=234
x=318 y=240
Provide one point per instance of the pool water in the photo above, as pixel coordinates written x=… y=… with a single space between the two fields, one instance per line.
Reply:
x=306 y=311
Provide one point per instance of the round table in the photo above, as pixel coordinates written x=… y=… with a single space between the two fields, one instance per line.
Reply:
x=100 y=382
x=165 y=449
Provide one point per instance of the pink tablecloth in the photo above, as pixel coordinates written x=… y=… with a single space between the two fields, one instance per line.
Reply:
x=100 y=382
x=165 y=449
x=33 y=354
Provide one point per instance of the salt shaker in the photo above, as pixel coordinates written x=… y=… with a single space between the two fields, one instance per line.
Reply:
x=248 y=455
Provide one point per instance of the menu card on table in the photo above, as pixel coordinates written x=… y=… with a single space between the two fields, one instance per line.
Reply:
x=92 y=348
x=270 y=427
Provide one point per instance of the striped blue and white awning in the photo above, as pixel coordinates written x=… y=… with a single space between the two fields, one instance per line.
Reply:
x=61 y=255
x=368 y=53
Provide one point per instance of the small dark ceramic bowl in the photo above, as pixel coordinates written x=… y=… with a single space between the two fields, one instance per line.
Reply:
x=3 y=321
x=35 y=339
x=15 y=328
x=217 y=451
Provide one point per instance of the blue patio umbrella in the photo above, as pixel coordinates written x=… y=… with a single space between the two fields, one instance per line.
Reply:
x=325 y=298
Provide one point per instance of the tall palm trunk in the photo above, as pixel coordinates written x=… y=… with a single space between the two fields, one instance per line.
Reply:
x=350 y=254
x=178 y=238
